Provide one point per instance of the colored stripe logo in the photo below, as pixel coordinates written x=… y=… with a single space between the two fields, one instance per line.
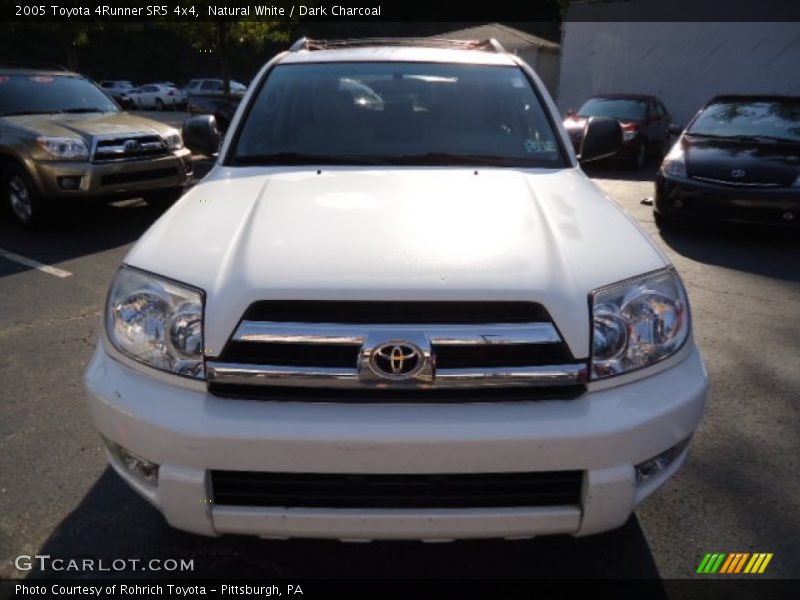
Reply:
x=734 y=563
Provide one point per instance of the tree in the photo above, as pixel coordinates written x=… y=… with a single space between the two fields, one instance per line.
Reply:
x=225 y=38
x=69 y=35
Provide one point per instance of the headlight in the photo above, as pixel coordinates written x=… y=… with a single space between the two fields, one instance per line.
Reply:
x=157 y=321
x=796 y=182
x=173 y=139
x=674 y=164
x=61 y=147
x=638 y=322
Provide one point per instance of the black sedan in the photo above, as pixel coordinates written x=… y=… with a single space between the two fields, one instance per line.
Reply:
x=644 y=120
x=737 y=161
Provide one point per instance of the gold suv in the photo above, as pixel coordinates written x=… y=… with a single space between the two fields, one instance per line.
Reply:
x=62 y=138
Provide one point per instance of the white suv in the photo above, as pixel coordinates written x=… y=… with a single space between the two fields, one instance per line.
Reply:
x=396 y=308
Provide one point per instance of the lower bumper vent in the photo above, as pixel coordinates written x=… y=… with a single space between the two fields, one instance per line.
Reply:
x=312 y=490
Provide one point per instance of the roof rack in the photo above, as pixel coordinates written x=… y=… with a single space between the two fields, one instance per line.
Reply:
x=487 y=45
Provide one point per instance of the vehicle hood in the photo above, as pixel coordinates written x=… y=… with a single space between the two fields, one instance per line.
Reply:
x=86 y=125
x=742 y=162
x=347 y=233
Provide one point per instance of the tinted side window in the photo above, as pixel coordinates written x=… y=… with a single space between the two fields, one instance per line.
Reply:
x=658 y=113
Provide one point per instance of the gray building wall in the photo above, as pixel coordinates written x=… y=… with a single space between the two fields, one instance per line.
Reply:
x=685 y=64
x=545 y=61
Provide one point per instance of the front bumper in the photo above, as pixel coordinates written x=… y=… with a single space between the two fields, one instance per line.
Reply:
x=113 y=179
x=696 y=200
x=189 y=432
x=627 y=151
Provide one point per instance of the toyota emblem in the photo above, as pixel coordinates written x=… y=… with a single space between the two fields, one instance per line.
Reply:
x=396 y=360
x=738 y=173
x=131 y=145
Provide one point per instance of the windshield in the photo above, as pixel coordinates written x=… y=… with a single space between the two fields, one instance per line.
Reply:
x=748 y=118
x=35 y=94
x=616 y=108
x=397 y=113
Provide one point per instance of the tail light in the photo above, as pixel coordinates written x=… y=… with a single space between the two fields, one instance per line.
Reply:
x=629 y=131
x=170 y=93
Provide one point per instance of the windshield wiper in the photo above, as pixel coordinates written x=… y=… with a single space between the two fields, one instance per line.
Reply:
x=84 y=110
x=18 y=113
x=769 y=138
x=747 y=138
x=298 y=158
x=448 y=158
x=428 y=158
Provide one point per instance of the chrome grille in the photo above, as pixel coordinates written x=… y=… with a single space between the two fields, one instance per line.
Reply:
x=342 y=355
x=736 y=183
x=134 y=146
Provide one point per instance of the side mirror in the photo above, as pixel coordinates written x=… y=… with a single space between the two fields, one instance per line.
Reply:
x=602 y=137
x=200 y=134
x=674 y=129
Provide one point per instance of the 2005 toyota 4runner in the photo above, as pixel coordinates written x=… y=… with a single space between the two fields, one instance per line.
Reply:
x=397 y=308
x=62 y=139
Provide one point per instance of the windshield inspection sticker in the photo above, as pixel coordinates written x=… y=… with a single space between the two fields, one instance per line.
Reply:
x=532 y=146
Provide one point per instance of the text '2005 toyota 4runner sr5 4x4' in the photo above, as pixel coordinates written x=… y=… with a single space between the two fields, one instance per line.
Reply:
x=396 y=308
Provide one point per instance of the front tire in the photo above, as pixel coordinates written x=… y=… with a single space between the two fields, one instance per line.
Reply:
x=161 y=200
x=21 y=199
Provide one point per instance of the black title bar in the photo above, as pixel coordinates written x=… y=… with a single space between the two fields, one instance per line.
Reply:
x=393 y=11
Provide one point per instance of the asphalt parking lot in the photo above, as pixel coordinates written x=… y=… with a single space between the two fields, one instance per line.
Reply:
x=739 y=491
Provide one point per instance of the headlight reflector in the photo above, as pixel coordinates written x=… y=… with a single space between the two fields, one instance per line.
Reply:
x=156 y=321
x=674 y=164
x=63 y=147
x=638 y=322
x=173 y=139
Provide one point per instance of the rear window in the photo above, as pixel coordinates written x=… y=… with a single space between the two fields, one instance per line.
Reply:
x=397 y=113
x=32 y=94
x=778 y=119
x=616 y=108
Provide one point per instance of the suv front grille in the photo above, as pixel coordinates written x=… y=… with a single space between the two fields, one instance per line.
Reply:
x=396 y=313
x=318 y=347
x=129 y=147
x=346 y=355
x=313 y=490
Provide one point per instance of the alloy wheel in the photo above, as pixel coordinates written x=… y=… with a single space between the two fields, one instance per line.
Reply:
x=19 y=195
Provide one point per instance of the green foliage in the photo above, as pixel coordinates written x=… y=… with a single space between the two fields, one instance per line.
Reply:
x=227 y=39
